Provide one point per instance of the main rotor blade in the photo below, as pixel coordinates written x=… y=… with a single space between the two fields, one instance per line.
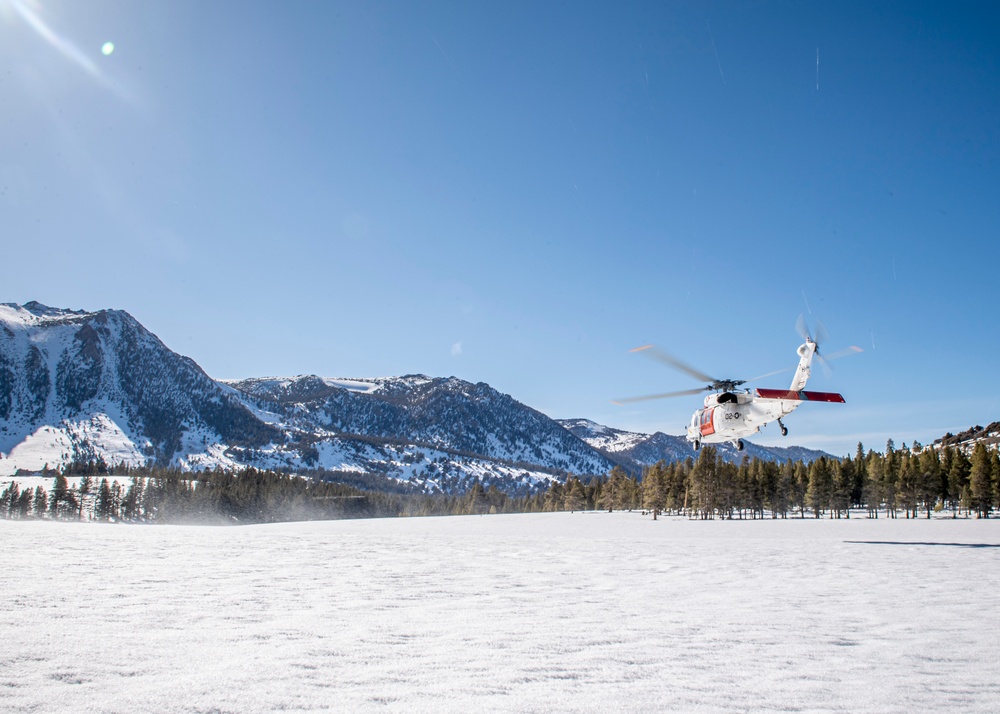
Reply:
x=667 y=395
x=660 y=356
x=800 y=327
x=821 y=334
x=852 y=350
x=771 y=374
x=825 y=364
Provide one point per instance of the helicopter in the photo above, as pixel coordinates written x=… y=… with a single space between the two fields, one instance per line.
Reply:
x=730 y=413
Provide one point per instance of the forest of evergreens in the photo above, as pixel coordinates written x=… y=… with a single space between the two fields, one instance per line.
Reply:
x=911 y=482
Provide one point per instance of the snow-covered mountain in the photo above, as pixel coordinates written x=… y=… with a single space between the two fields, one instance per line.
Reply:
x=78 y=385
x=634 y=450
x=967 y=440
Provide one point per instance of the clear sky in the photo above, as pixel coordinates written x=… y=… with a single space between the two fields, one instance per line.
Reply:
x=520 y=192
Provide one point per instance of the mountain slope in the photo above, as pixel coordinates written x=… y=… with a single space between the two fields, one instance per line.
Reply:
x=634 y=450
x=445 y=413
x=78 y=385
x=61 y=370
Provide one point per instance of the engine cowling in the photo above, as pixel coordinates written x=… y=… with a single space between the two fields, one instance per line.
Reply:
x=723 y=398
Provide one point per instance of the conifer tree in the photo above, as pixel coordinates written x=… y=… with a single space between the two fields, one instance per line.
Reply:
x=133 y=500
x=801 y=485
x=995 y=475
x=10 y=499
x=820 y=486
x=59 y=490
x=981 y=481
x=875 y=470
x=102 y=507
x=41 y=504
x=908 y=486
x=84 y=491
x=930 y=479
x=860 y=476
x=786 y=489
x=555 y=497
x=843 y=484
x=614 y=494
x=575 y=498
x=654 y=488
x=890 y=479
x=706 y=479
x=958 y=480
x=24 y=502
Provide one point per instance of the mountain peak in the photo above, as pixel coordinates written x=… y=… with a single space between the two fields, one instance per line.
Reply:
x=34 y=311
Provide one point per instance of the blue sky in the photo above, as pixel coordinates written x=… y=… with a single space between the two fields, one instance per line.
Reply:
x=520 y=192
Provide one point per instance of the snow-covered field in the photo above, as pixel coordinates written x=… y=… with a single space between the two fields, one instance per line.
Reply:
x=522 y=613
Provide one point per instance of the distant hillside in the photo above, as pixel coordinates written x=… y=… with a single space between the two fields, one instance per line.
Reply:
x=634 y=450
x=966 y=440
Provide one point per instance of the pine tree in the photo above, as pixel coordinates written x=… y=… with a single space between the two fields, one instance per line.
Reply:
x=820 y=485
x=801 y=486
x=981 y=481
x=786 y=489
x=930 y=479
x=133 y=500
x=615 y=495
x=41 y=504
x=908 y=486
x=10 y=499
x=995 y=475
x=575 y=498
x=59 y=490
x=843 y=484
x=85 y=485
x=875 y=470
x=890 y=479
x=555 y=497
x=958 y=480
x=706 y=483
x=102 y=507
x=654 y=488
x=860 y=476
x=24 y=502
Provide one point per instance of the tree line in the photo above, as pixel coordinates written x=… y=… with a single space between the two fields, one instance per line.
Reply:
x=909 y=481
x=167 y=495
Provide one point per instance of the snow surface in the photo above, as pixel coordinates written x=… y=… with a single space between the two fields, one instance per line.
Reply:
x=53 y=446
x=589 y=612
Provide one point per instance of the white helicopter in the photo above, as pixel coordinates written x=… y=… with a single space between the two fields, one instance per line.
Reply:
x=728 y=414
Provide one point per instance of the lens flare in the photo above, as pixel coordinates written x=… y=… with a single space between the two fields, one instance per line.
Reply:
x=107 y=48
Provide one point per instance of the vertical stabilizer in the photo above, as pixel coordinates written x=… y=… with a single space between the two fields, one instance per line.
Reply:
x=802 y=372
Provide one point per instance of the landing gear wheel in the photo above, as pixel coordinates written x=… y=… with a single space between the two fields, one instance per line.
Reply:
x=697 y=445
x=739 y=445
x=784 y=429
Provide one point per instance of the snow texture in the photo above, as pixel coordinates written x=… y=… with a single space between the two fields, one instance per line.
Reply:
x=584 y=612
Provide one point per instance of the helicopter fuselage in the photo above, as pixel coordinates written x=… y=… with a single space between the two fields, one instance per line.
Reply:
x=728 y=416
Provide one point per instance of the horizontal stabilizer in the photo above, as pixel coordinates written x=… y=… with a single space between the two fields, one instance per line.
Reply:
x=790 y=395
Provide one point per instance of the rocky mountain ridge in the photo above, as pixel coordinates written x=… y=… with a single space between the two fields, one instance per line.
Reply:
x=76 y=385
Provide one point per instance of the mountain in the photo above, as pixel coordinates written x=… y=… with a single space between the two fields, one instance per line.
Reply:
x=433 y=431
x=967 y=440
x=77 y=385
x=633 y=450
